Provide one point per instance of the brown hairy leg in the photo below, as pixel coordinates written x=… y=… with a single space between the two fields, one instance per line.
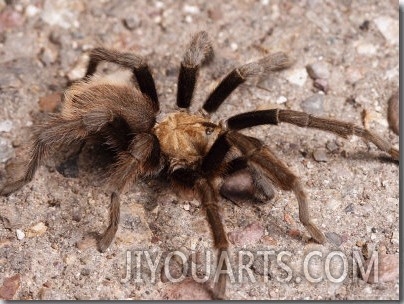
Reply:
x=267 y=164
x=53 y=133
x=207 y=197
x=301 y=119
x=198 y=52
x=142 y=157
x=188 y=178
x=137 y=64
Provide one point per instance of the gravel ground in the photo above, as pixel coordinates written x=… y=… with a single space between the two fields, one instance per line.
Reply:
x=346 y=66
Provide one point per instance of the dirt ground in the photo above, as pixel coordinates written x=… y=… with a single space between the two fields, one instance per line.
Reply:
x=351 y=49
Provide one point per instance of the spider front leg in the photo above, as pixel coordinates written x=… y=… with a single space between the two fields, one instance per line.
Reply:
x=268 y=165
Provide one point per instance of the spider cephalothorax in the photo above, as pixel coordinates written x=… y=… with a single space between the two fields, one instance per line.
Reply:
x=186 y=137
x=189 y=149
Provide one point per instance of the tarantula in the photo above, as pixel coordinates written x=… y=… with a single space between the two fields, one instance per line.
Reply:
x=188 y=148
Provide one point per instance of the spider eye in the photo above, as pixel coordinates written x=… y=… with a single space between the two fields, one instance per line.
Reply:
x=209 y=130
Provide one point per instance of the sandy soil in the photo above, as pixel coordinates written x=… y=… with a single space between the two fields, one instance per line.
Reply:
x=353 y=187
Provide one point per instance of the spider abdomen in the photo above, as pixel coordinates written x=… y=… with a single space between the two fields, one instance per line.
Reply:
x=109 y=101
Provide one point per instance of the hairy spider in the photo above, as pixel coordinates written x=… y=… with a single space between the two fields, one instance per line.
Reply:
x=193 y=152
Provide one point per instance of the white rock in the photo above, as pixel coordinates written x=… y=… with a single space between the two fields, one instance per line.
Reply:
x=20 y=234
x=6 y=125
x=79 y=69
x=281 y=99
x=333 y=204
x=61 y=13
x=37 y=230
x=297 y=76
x=366 y=48
x=31 y=10
x=389 y=28
x=6 y=150
x=191 y=9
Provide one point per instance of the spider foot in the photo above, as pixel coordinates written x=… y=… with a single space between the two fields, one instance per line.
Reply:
x=315 y=233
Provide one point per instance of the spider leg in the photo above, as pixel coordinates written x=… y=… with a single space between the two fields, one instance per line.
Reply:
x=135 y=63
x=56 y=132
x=267 y=164
x=53 y=133
x=207 y=196
x=142 y=157
x=199 y=51
x=274 y=62
x=301 y=119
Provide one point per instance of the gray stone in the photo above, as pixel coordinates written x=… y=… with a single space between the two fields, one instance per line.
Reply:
x=6 y=150
x=318 y=70
x=313 y=104
x=320 y=155
x=6 y=125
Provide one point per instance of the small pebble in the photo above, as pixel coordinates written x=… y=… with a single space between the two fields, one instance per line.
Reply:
x=353 y=75
x=36 y=230
x=85 y=272
x=190 y=9
x=186 y=207
x=61 y=13
x=389 y=28
x=31 y=10
x=334 y=238
x=10 y=287
x=318 y=70
x=366 y=48
x=6 y=125
x=395 y=238
x=349 y=208
x=131 y=22
x=320 y=155
x=393 y=113
x=313 y=104
x=365 y=25
x=6 y=150
x=20 y=234
x=49 y=55
x=215 y=14
x=281 y=99
x=332 y=146
x=79 y=69
x=296 y=76
x=321 y=84
x=248 y=236
x=332 y=204
x=9 y=18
